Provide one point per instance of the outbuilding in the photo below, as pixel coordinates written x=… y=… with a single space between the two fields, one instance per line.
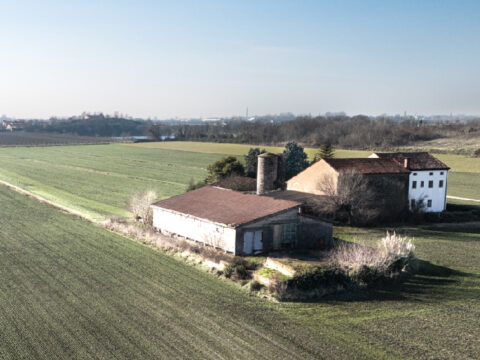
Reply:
x=240 y=223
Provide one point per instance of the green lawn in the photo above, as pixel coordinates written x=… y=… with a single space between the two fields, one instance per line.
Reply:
x=465 y=183
x=96 y=181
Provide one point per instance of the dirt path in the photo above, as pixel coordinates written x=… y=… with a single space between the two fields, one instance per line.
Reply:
x=462 y=198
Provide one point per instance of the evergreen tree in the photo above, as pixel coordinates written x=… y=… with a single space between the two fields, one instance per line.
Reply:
x=224 y=167
x=251 y=161
x=295 y=159
x=326 y=151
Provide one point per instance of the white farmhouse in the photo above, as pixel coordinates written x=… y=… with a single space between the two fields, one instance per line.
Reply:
x=427 y=188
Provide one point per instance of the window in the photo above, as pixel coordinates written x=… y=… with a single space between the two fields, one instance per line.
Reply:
x=430 y=184
x=430 y=174
x=429 y=203
x=441 y=172
x=422 y=183
x=440 y=183
x=420 y=203
x=289 y=235
x=412 y=203
x=414 y=174
x=414 y=184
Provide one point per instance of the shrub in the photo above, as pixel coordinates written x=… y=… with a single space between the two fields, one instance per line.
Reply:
x=278 y=286
x=392 y=250
x=139 y=206
x=238 y=269
x=224 y=167
x=477 y=153
x=255 y=286
x=319 y=277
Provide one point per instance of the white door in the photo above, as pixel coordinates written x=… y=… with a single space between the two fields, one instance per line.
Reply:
x=257 y=241
x=248 y=242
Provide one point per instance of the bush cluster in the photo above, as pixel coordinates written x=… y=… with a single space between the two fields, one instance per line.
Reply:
x=352 y=266
x=239 y=269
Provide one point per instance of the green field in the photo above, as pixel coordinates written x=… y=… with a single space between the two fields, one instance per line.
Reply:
x=96 y=181
x=234 y=149
x=70 y=289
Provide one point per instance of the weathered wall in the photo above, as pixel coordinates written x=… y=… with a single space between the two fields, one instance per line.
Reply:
x=194 y=228
x=267 y=226
x=309 y=180
x=314 y=233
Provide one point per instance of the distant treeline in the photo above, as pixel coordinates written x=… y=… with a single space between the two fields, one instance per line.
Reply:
x=359 y=132
x=91 y=125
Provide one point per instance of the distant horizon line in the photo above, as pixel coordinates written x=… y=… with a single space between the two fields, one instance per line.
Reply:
x=117 y=114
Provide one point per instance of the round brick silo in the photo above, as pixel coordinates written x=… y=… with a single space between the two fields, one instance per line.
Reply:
x=266 y=172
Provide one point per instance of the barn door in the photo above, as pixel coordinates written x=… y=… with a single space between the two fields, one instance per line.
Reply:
x=257 y=241
x=248 y=242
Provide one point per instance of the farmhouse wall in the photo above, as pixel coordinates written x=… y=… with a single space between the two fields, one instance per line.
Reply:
x=313 y=233
x=436 y=194
x=194 y=228
x=308 y=180
x=266 y=225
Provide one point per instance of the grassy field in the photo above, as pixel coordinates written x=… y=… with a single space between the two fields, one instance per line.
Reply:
x=234 y=149
x=96 y=181
x=434 y=315
x=71 y=289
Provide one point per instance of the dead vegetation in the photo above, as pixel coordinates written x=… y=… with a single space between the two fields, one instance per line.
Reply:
x=351 y=267
x=139 y=206
x=147 y=235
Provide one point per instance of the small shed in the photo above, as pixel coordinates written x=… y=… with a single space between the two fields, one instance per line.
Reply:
x=240 y=223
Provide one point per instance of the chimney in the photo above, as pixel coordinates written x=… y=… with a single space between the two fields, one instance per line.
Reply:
x=266 y=172
x=406 y=163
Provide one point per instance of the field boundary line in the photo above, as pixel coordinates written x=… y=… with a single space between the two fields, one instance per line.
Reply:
x=45 y=201
x=462 y=198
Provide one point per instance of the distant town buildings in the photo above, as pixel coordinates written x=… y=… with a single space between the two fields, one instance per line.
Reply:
x=13 y=125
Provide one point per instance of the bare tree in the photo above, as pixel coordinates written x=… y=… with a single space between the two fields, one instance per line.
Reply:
x=349 y=195
x=139 y=206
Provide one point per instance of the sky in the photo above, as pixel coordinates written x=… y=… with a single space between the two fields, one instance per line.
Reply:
x=215 y=58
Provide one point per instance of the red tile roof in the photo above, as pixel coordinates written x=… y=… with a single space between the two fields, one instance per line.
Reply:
x=225 y=206
x=418 y=160
x=368 y=166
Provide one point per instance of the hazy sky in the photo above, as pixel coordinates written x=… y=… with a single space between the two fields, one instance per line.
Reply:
x=214 y=58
